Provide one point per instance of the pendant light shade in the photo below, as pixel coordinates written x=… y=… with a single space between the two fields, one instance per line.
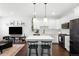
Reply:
x=34 y=17
x=45 y=17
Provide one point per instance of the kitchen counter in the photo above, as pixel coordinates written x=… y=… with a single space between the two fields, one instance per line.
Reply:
x=64 y=35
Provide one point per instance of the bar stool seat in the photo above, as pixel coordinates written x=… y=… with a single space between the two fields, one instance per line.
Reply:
x=45 y=45
x=33 y=45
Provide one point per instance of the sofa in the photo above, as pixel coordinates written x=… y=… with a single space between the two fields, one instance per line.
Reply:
x=5 y=44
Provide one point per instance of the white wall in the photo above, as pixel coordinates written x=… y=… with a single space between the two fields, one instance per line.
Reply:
x=5 y=24
x=76 y=12
x=66 y=19
x=51 y=23
x=54 y=25
x=70 y=16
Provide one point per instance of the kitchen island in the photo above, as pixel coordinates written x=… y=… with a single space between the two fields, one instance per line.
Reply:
x=39 y=39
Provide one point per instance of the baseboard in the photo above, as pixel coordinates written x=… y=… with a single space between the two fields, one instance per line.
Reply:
x=55 y=43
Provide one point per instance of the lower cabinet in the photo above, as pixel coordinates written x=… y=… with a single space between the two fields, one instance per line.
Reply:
x=67 y=43
x=64 y=41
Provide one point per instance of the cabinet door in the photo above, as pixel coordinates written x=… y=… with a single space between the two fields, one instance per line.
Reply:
x=67 y=43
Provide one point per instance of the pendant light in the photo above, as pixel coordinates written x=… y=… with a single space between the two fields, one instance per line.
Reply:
x=34 y=17
x=45 y=17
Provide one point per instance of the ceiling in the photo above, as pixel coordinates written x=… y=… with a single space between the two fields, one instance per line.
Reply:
x=54 y=10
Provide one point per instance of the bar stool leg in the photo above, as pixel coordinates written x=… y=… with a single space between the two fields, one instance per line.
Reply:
x=36 y=52
x=41 y=52
x=48 y=52
x=29 y=52
x=1 y=51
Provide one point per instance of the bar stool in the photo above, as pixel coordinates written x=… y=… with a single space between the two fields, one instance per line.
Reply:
x=45 y=45
x=33 y=45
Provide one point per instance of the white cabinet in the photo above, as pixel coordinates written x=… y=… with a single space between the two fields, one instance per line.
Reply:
x=67 y=43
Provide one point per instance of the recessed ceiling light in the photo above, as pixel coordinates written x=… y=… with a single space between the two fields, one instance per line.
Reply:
x=34 y=13
x=53 y=13
x=11 y=13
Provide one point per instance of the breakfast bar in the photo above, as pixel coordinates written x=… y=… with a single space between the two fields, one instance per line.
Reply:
x=40 y=39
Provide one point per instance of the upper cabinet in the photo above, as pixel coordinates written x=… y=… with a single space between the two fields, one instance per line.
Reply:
x=50 y=24
x=65 y=26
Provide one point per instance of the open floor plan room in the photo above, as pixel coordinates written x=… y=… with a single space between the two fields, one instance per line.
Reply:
x=39 y=29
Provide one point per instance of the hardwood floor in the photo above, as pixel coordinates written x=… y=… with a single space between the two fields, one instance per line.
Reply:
x=59 y=51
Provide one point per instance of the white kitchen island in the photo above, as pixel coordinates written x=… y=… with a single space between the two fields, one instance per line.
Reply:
x=39 y=39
